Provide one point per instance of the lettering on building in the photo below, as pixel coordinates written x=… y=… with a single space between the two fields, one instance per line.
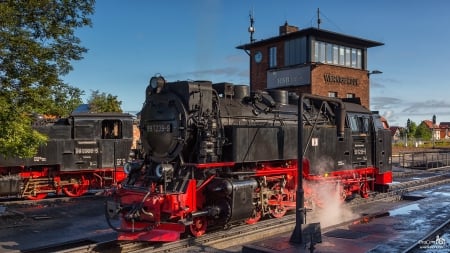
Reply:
x=288 y=77
x=329 y=78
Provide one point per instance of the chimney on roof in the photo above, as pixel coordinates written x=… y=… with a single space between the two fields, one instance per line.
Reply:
x=286 y=28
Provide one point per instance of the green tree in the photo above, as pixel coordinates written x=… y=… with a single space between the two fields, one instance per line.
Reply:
x=37 y=45
x=102 y=102
x=423 y=132
x=411 y=126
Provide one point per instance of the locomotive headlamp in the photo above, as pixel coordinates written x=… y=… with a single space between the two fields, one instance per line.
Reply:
x=157 y=83
x=164 y=170
x=131 y=166
x=127 y=168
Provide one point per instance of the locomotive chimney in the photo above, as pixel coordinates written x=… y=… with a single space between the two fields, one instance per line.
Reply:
x=286 y=29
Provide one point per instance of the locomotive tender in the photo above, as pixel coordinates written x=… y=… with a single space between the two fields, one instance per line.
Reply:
x=84 y=151
x=218 y=154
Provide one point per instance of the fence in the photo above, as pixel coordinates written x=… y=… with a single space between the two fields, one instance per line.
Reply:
x=422 y=160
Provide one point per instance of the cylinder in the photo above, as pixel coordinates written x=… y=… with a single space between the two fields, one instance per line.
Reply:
x=241 y=91
x=280 y=96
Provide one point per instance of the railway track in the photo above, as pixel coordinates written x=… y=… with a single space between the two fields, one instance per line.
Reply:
x=237 y=235
x=52 y=199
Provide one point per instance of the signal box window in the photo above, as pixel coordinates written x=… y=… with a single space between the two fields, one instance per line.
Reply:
x=111 y=129
x=332 y=94
x=272 y=57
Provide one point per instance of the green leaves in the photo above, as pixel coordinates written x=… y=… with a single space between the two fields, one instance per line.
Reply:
x=37 y=45
x=102 y=102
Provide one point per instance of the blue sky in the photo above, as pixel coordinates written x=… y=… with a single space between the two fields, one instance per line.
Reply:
x=131 y=41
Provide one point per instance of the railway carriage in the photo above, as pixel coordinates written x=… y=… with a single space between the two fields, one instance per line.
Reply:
x=84 y=151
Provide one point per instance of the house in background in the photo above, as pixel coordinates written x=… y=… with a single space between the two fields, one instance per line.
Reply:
x=444 y=130
x=395 y=133
x=434 y=128
x=384 y=122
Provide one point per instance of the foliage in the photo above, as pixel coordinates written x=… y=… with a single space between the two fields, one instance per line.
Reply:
x=423 y=132
x=411 y=126
x=37 y=45
x=16 y=136
x=102 y=102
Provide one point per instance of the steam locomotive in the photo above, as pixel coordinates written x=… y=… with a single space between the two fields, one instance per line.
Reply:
x=84 y=151
x=218 y=154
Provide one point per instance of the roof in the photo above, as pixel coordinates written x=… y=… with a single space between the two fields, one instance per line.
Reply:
x=444 y=125
x=394 y=129
x=429 y=124
x=82 y=108
x=100 y=115
x=318 y=33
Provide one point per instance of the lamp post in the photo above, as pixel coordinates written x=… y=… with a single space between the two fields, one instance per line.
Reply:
x=432 y=127
x=373 y=72
x=408 y=127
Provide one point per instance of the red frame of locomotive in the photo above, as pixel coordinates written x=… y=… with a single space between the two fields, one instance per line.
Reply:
x=355 y=181
x=85 y=179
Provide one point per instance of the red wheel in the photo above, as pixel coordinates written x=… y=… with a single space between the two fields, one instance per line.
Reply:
x=277 y=211
x=256 y=216
x=198 y=227
x=76 y=188
x=37 y=196
x=364 y=190
x=37 y=192
x=341 y=193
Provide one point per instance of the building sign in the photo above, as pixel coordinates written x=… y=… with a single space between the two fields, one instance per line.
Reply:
x=288 y=77
x=329 y=78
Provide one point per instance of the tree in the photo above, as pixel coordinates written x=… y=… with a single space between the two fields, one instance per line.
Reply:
x=102 y=102
x=37 y=44
x=423 y=132
x=411 y=126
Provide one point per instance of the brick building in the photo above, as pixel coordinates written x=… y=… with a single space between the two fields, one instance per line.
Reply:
x=311 y=61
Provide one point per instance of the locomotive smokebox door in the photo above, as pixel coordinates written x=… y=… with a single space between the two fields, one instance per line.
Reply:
x=163 y=127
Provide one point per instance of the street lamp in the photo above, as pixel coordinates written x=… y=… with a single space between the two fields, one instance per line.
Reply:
x=432 y=127
x=374 y=72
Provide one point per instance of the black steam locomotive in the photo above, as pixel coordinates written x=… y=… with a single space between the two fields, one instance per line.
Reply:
x=84 y=151
x=218 y=154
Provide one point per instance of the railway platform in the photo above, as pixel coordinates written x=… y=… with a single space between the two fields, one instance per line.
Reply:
x=394 y=230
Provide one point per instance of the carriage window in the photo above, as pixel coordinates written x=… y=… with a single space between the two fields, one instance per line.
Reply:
x=353 y=122
x=359 y=124
x=111 y=129
x=365 y=124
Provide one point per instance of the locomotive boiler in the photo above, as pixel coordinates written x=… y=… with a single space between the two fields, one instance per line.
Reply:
x=218 y=154
x=84 y=151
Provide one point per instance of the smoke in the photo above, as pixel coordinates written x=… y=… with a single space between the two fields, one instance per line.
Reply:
x=322 y=166
x=325 y=198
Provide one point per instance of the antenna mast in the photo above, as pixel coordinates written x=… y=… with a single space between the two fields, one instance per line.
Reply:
x=251 y=28
x=318 y=19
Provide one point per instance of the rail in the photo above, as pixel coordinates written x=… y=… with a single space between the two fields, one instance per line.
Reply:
x=422 y=159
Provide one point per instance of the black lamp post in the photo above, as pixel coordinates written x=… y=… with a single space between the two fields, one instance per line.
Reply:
x=432 y=127
x=310 y=233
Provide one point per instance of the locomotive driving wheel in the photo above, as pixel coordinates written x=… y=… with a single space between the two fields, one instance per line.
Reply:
x=198 y=226
x=256 y=216
x=76 y=187
x=276 y=206
x=36 y=196
x=37 y=189
x=364 y=190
